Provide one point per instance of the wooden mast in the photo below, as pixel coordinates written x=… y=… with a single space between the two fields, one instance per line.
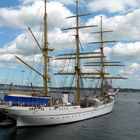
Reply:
x=77 y=54
x=102 y=59
x=45 y=50
x=77 y=66
x=102 y=62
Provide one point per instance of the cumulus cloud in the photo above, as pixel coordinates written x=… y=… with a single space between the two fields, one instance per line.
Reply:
x=17 y=18
x=66 y=1
x=131 y=71
x=61 y=1
x=28 y=1
x=23 y=46
x=10 y=58
x=113 y=5
x=133 y=67
x=127 y=51
x=28 y=15
x=124 y=26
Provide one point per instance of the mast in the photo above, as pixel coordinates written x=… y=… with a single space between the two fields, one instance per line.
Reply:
x=77 y=66
x=45 y=50
x=103 y=63
x=77 y=55
x=102 y=59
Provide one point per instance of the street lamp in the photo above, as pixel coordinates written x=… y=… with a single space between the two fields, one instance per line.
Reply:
x=22 y=76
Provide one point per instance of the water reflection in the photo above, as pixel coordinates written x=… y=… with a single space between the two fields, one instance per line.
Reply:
x=36 y=133
x=7 y=133
x=32 y=133
x=88 y=129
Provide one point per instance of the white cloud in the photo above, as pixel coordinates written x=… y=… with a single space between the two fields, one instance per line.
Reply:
x=131 y=71
x=28 y=1
x=124 y=26
x=28 y=15
x=66 y=1
x=61 y=1
x=32 y=58
x=23 y=44
x=60 y=40
x=128 y=54
x=128 y=51
x=18 y=18
x=113 y=5
x=134 y=67
x=7 y=58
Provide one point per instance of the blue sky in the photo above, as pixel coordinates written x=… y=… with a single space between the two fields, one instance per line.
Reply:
x=9 y=3
x=16 y=15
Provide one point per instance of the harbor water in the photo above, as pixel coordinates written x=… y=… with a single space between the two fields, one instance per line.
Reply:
x=122 y=124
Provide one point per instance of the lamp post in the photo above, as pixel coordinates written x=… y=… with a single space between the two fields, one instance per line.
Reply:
x=22 y=76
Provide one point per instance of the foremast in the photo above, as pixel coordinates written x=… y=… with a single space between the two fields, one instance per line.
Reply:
x=46 y=50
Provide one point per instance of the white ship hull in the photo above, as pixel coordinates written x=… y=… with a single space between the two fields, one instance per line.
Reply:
x=28 y=116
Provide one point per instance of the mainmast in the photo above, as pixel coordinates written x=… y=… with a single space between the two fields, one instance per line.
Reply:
x=77 y=67
x=77 y=56
x=102 y=59
x=45 y=50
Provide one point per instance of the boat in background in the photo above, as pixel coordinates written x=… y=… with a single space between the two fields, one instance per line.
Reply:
x=37 y=111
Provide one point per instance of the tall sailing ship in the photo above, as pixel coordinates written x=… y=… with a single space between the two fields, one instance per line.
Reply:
x=36 y=111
